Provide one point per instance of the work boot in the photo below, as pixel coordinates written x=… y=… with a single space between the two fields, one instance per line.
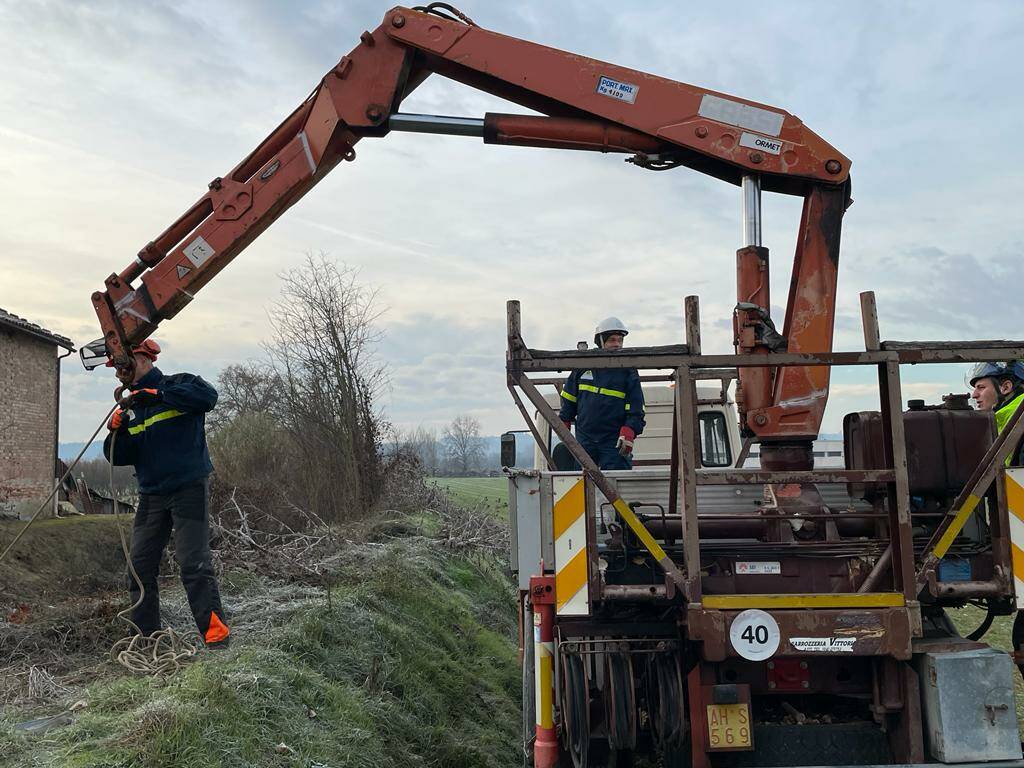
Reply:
x=219 y=645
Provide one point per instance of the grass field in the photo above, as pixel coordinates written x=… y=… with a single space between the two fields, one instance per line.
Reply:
x=487 y=492
x=408 y=660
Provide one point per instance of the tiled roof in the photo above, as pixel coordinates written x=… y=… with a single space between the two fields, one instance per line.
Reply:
x=21 y=324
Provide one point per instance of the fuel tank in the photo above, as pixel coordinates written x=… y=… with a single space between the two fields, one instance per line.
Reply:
x=944 y=444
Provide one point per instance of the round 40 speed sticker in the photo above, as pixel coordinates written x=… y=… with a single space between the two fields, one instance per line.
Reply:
x=755 y=635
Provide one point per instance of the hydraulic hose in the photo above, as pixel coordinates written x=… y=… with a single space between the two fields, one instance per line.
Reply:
x=985 y=624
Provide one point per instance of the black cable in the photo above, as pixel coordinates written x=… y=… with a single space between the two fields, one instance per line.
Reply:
x=663 y=163
x=457 y=15
x=669 y=720
x=985 y=624
x=620 y=703
x=577 y=730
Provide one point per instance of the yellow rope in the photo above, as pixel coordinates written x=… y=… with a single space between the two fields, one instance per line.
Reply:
x=161 y=652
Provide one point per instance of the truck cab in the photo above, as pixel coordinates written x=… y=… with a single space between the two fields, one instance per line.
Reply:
x=716 y=413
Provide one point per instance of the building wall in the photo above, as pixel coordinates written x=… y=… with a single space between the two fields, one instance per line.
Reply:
x=28 y=416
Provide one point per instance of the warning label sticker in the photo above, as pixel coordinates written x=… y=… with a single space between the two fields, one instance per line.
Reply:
x=198 y=251
x=622 y=91
x=182 y=271
x=759 y=568
x=823 y=644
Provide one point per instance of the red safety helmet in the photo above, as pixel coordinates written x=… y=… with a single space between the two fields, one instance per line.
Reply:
x=149 y=348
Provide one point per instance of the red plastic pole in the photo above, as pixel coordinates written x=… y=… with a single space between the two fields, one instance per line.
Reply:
x=545 y=746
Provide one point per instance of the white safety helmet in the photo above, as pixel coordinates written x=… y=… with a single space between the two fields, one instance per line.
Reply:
x=1013 y=369
x=608 y=325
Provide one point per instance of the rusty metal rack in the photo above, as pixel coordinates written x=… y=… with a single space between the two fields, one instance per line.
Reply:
x=687 y=365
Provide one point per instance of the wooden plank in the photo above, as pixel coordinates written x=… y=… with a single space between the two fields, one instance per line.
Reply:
x=686 y=448
x=761 y=477
x=691 y=310
x=869 y=320
x=948 y=345
x=890 y=394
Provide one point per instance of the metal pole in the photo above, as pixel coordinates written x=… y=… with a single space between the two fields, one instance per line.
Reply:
x=545 y=746
x=448 y=126
x=751 y=211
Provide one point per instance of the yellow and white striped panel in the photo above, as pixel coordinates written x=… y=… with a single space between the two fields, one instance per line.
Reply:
x=572 y=591
x=1015 y=503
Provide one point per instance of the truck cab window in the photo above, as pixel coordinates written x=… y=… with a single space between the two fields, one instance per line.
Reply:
x=714 y=440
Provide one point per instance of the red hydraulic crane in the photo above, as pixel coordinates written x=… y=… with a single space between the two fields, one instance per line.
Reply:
x=587 y=105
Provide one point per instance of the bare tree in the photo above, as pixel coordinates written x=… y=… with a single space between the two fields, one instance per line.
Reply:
x=323 y=355
x=245 y=389
x=463 y=443
x=421 y=443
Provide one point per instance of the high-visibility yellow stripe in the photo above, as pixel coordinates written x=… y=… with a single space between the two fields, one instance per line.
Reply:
x=1017 y=555
x=638 y=528
x=955 y=527
x=835 y=600
x=570 y=579
x=603 y=391
x=1015 y=497
x=567 y=396
x=568 y=509
x=545 y=705
x=162 y=416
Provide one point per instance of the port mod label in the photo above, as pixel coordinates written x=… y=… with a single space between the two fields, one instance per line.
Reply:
x=621 y=91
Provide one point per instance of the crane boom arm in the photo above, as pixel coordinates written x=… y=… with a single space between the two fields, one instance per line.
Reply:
x=589 y=104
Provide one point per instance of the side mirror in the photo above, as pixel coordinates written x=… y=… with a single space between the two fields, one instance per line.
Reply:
x=508 y=449
x=93 y=354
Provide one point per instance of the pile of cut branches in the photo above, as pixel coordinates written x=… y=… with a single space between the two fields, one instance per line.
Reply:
x=252 y=538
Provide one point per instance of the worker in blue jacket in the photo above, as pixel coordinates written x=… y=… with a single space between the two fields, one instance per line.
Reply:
x=607 y=404
x=162 y=434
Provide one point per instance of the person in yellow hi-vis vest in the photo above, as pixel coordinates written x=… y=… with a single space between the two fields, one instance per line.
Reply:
x=999 y=387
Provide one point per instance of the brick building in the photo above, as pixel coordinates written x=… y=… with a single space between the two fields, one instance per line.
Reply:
x=29 y=408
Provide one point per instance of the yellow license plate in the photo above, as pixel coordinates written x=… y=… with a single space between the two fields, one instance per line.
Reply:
x=729 y=726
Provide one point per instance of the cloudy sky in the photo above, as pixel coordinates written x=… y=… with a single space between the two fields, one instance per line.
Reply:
x=115 y=115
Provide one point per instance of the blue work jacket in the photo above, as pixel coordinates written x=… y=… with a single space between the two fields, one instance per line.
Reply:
x=602 y=401
x=166 y=442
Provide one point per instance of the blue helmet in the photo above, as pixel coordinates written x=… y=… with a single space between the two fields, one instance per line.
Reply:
x=1013 y=369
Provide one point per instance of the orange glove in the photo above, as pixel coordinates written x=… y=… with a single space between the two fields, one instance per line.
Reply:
x=116 y=420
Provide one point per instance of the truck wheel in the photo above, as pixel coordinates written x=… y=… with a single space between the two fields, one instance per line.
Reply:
x=620 y=701
x=576 y=709
x=666 y=703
